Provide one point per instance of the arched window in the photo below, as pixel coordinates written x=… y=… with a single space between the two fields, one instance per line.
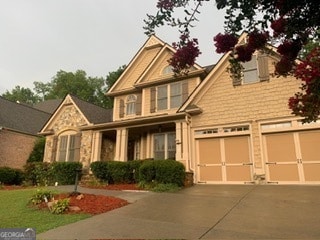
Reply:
x=131 y=104
x=69 y=146
x=167 y=70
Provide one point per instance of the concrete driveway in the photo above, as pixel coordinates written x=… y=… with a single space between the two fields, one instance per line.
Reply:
x=206 y=212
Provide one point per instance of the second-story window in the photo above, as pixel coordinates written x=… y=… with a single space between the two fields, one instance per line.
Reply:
x=169 y=96
x=250 y=71
x=162 y=97
x=131 y=104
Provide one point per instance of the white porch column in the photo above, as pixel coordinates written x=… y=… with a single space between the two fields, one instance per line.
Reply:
x=96 y=146
x=185 y=145
x=121 y=145
x=149 y=146
x=124 y=145
x=178 y=142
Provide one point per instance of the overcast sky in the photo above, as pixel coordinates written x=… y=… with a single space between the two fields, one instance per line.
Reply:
x=41 y=37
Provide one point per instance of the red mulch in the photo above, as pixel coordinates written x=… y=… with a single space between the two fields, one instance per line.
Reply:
x=90 y=203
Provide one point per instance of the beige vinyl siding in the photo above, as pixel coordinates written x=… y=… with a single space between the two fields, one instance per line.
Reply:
x=139 y=66
x=222 y=103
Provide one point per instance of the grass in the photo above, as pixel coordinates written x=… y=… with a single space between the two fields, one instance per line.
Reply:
x=15 y=213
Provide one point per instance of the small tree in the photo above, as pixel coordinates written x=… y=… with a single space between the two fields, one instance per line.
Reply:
x=38 y=150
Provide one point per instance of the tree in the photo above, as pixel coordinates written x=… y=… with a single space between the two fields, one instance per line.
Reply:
x=111 y=78
x=294 y=24
x=22 y=95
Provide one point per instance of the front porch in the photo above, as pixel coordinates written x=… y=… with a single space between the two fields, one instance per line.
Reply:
x=160 y=140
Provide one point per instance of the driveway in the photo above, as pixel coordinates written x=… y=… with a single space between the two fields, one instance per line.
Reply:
x=206 y=212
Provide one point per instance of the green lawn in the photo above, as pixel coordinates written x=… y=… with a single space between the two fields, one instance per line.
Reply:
x=15 y=213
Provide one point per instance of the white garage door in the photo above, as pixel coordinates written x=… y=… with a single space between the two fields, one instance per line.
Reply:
x=224 y=160
x=292 y=157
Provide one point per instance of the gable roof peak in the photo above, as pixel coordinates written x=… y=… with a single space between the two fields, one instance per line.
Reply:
x=153 y=41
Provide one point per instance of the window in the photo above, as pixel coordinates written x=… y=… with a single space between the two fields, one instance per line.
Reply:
x=69 y=148
x=175 y=95
x=167 y=70
x=169 y=96
x=250 y=71
x=131 y=104
x=164 y=146
x=162 y=97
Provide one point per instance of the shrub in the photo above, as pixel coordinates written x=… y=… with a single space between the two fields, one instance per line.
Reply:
x=38 y=173
x=65 y=172
x=119 y=172
x=11 y=176
x=116 y=172
x=100 y=170
x=134 y=172
x=163 y=171
x=38 y=150
x=40 y=196
x=147 y=171
x=60 y=206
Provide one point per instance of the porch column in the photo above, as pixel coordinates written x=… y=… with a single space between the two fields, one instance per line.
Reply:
x=185 y=145
x=96 y=147
x=121 y=145
x=178 y=142
x=182 y=144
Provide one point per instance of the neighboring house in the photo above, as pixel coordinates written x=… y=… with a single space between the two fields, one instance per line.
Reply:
x=19 y=128
x=223 y=130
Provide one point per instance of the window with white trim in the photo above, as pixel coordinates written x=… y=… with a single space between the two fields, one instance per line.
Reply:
x=164 y=146
x=167 y=70
x=250 y=71
x=69 y=148
x=169 y=96
x=131 y=104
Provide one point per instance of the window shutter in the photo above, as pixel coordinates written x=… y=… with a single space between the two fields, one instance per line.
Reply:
x=54 y=149
x=153 y=100
x=77 y=145
x=263 y=67
x=121 y=110
x=138 y=104
x=184 y=91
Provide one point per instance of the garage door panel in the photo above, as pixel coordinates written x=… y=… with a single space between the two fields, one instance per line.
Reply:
x=210 y=173
x=280 y=147
x=237 y=149
x=283 y=172
x=209 y=151
x=308 y=141
x=311 y=172
x=239 y=173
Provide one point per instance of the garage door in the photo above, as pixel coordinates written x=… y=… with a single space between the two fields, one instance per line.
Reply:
x=224 y=160
x=292 y=157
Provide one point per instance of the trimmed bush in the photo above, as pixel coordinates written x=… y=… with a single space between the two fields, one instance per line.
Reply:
x=163 y=171
x=119 y=172
x=147 y=171
x=65 y=172
x=134 y=167
x=38 y=150
x=38 y=173
x=11 y=176
x=100 y=170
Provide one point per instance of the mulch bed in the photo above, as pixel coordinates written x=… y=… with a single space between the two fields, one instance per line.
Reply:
x=89 y=203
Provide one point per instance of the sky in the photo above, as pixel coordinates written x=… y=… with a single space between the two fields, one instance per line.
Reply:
x=41 y=37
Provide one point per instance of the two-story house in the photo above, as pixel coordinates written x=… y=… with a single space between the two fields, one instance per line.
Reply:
x=223 y=130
